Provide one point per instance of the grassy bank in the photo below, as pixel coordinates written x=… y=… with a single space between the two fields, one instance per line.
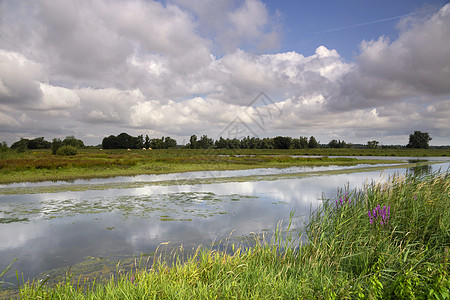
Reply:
x=90 y=163
x=398 y=251
x=41 y=165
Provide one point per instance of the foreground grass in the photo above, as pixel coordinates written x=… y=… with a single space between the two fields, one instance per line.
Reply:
x=404 y=257
x=91 y=163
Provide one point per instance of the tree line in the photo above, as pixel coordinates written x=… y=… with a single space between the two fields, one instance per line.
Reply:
x=125 y=141
x=41 y=143
x=279 y=142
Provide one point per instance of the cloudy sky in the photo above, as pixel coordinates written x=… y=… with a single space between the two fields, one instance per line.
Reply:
x=353 y=70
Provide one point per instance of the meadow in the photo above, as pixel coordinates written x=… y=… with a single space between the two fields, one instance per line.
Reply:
x=385 y=241
x=39 y=165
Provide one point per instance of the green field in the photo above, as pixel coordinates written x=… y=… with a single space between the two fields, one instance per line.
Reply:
x=41 y=165
x=402 y=253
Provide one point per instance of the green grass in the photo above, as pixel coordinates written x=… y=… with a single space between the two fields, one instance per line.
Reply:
x=346 y=256
x=41 y=165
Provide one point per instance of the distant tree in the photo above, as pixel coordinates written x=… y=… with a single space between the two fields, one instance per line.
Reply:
x=221 y=143
x=234 y=143
x=303 y=140
x=21 y=145
x=56 y=144
x=125 y=141
x=147 y=142
x=313 y=143
x=169 y=143
x=333 y=144
x=72 y=141
x=372 y=144
x=110 y=142
x=266 y=143
x=39 y=143
x=337 y=144
x=156 y=143
x=139 y=142
x=205 y=142
x=419 y=140
x=282 y=142
x=193 y=143
x=245 y=143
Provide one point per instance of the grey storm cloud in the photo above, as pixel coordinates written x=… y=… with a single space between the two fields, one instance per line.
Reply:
x=94 y=68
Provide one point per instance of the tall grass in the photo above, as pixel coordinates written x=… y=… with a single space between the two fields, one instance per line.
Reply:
x=403 y=254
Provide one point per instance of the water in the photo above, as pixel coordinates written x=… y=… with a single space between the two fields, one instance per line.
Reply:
x=58 y=224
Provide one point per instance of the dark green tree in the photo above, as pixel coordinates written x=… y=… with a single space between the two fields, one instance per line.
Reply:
x=419 y=140
x=372 y=144
x=193 y=143
x=157 y=143
x=300 y=143
x=147 y=141
x=56 y=144
x=266 y=143
x=169 y=143
x=333 y=144
x=313 y=143
x=221 y=143
x=72 y=141
x=20 y=144
x=282 y=142
x=110 y=142
x=39 y=143
x=205 y=142
x=337 y=144
x=125 y=141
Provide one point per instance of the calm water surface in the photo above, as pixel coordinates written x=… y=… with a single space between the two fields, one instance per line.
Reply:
x=57 y=224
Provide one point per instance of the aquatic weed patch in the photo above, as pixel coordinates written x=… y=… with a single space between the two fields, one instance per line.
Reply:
x=181 y=206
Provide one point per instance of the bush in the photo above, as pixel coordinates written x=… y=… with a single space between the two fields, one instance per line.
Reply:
x=67 y=150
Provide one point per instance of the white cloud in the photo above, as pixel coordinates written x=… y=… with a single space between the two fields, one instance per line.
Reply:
x=18 y=78
x=107 y=105
x=418 y=59
x=104 y=67
x=58 y=98
x=236 y=24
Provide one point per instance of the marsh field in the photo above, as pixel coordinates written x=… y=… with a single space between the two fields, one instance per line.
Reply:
x=261 y=224
x=39 y=165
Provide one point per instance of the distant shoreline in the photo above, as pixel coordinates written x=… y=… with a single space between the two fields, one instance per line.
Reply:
x=41 y=165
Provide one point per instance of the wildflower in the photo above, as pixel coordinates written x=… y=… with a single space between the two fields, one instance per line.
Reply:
x=343 y=200
x=380 y=215
x=132 y=281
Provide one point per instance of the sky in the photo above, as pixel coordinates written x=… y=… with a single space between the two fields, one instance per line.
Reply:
x=351 y=70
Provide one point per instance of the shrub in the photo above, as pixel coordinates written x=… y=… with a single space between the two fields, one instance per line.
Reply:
x=67 y=150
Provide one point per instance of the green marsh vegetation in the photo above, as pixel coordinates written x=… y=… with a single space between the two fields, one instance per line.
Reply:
x=386 y=241
x=40 y=164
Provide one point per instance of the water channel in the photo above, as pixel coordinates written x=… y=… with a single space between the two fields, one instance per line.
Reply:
x=52 y=225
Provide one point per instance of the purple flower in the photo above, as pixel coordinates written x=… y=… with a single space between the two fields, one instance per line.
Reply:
x=380 y=215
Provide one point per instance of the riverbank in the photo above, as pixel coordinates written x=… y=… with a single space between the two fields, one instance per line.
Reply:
x=41 y=165
x=399 y=250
